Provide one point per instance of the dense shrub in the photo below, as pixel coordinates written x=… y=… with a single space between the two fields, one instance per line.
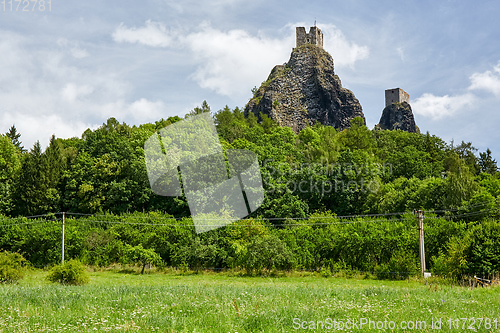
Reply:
x=476 y=253
x=483 y=253
x=101 y=248
x=11 y=267
x=268 y=253
x=402 y=265
x=197 y=255
x=453 y=262
x=71 y=272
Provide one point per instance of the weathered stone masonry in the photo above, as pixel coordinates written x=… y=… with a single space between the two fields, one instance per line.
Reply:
x=314 y=37
x=396 y=95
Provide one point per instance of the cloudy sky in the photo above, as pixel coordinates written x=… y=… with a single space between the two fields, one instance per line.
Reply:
x=68 y=69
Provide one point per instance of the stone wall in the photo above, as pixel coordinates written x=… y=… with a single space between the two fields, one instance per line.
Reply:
x=396 y=95
x=314 y=37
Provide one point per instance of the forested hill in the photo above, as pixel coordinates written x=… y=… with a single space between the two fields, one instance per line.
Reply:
x=354 y=171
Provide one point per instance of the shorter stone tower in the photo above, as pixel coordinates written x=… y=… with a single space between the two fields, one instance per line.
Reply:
x=397 y=113
x=396 y=95
x=314 y=37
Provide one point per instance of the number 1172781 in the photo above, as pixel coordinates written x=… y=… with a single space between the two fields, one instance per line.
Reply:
x=26 y=5
x=473 y=323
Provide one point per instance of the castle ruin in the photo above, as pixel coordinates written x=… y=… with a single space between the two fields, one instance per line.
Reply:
x=314 y=37
x=396 y=95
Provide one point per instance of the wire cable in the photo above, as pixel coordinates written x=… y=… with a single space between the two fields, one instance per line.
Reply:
x=26 y=223
x=484 y=203
x=246 y=225
x=223 y=219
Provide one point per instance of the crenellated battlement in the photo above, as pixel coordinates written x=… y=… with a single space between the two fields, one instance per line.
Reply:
x=314 y=37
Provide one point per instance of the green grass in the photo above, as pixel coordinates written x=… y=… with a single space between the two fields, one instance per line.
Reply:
x=212 y=302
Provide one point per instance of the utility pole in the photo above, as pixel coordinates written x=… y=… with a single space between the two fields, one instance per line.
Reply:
x=62 y=252
x=420 y=216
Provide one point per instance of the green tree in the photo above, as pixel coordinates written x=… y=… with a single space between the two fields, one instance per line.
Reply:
x=10 y=163
x=484 y=251
x=252 y=120
x=267 y=123
x=410 y=162
x=14 y=136
x=199 y=110
x=487 y=163
x=460 y=183
x=31 y=185
x=358 y=136
x=231 y=125
x=37 y=185
x=467 y=153
x=138 y=254
x=410 y=154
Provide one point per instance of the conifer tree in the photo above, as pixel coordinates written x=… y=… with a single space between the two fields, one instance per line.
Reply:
x=14 y=136
x=487 y=163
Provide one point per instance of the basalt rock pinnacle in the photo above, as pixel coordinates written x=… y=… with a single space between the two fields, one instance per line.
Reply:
x=305 y=91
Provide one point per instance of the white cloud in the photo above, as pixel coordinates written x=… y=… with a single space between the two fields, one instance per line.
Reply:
x=73 y=47
x=34 y=127
x=437 y=107
x=488 y=81
x=232 y=62
x=141 y=110
x=79 y=53
x=144 y=109
x=42 y=92
x=71 y=92
x=174 y=4
x=344 y=52
x=203 y=6
x=401 y=53
x=152 y=34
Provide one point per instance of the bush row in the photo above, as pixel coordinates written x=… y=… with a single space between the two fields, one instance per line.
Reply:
x=387 y=248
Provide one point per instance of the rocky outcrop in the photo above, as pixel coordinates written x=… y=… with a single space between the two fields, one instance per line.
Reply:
x=305 y=91
x=398 y=116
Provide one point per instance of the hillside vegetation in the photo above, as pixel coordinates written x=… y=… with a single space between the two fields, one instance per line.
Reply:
x=320 y=173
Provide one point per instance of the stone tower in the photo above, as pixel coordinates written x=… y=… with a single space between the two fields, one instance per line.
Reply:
x=314 y=37
x=306 y=90
x=397 y=113
x=396 y=95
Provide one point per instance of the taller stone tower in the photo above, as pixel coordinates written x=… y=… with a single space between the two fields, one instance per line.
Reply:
x=306 y=90
x=314 y=37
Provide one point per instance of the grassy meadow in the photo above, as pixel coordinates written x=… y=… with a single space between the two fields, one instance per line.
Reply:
x=124 y=301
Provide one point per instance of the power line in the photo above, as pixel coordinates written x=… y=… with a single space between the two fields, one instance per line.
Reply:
x=223 y=225
x=484 y=203
x=342 y=217
x=480 y=212
x=26 y=223
x=251 y=219
x=29 y=217
x=246 y=225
